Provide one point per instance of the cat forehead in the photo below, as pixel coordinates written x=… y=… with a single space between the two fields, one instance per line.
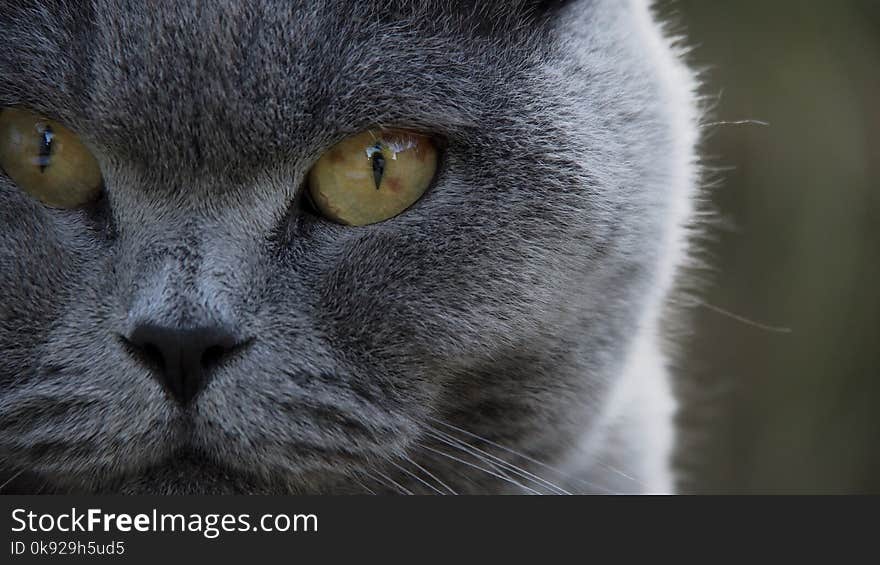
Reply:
x=159 y=78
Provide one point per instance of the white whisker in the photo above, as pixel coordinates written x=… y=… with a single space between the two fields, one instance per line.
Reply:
x=559 y=472
x=425 y=471
x=10 y=479
x=377 y=480
x=416 y=477
x=365 y=487
x=393 y=482
x=458 y=446
x=507 y=464
x=487 y=471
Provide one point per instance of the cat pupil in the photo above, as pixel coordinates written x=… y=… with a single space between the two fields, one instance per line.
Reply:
x=44 y=155
x=378 y=162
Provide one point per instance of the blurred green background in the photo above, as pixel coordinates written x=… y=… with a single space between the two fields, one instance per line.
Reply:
x=795 y=244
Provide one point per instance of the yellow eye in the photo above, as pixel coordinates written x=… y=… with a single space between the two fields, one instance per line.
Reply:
x=372 y=176
x=47 y=160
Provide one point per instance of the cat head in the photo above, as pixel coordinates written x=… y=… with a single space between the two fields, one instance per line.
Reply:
x=322 y=355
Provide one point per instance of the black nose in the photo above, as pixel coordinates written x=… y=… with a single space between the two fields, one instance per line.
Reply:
x=183 y=358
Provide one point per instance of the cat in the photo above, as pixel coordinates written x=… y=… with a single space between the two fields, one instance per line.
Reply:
x=500 y=335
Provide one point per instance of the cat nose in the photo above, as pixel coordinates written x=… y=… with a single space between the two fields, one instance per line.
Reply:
x=183 y=358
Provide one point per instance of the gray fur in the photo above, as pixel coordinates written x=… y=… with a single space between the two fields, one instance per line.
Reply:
x=514 y=301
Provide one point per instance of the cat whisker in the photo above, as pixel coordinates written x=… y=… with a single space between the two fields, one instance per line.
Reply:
x=390 y=481
x=460 y=475
x=617 y=471
x=377 y=480
x=592 y=486
x=505 y=464
x=478 y=457
x=365 y=487
x=10 y=479
x=425 y=471
x=479 y=468
x=414 y=476
x=736 y=317
x=737 y=123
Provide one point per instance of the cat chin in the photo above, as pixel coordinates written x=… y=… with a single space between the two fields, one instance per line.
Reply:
x=183 y=474
x=186 y=474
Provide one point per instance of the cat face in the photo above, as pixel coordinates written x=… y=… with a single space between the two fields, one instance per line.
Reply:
x=503 y=302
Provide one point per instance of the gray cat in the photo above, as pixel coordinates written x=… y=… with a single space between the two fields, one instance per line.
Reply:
x=187 y=307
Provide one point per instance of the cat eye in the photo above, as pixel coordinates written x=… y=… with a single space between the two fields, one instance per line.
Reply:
x=47 y=160
x=372 y=176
